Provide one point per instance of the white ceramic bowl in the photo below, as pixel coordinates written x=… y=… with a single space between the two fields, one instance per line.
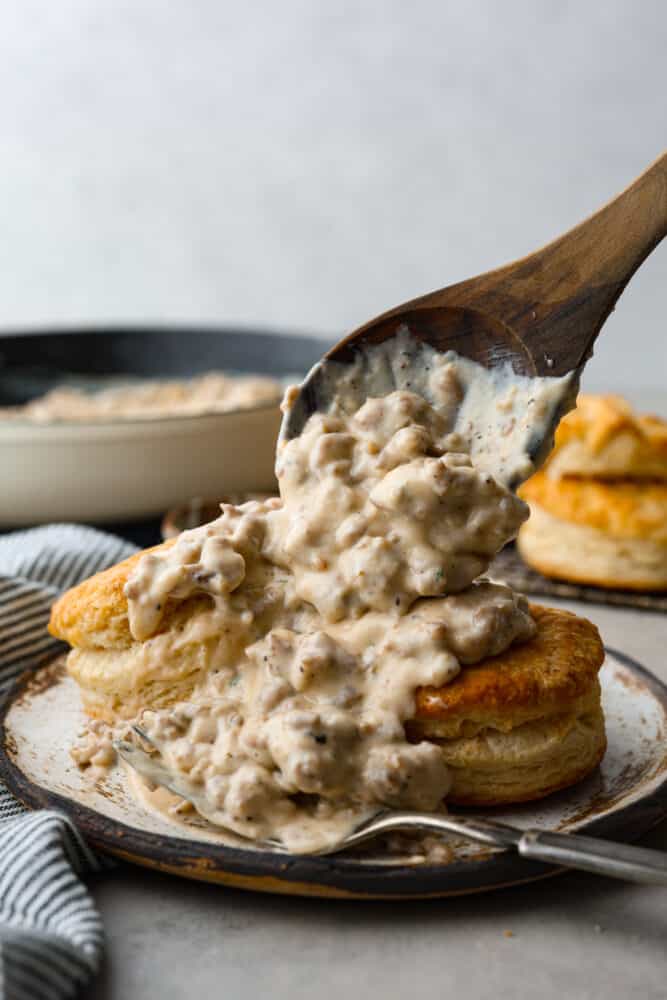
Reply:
x=130 y=469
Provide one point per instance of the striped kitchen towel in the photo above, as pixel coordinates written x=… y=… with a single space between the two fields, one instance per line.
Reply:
x=50 y=931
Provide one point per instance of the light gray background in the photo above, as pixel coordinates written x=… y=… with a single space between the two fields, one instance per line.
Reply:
x=307 y=164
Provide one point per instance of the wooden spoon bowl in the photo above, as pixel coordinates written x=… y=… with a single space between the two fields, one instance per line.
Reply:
x=467 y=331
x=540 y=314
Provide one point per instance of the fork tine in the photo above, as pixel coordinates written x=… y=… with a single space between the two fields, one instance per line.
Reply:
x=142 y=734
x=152 y=769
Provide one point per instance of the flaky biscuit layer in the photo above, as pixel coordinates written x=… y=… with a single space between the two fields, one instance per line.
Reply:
x=581 y=554
x=619 y=508
x=553 y=672
x=604 y=438
x=93 y=615
x=527 y=763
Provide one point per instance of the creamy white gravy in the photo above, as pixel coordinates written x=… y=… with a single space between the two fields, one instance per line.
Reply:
x=335 y=603
x=502 y=419
x=214 y=392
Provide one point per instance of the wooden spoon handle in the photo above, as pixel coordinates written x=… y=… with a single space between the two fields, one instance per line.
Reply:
x=557 y=299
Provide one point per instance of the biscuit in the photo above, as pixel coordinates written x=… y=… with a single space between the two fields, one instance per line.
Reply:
x=93 y=615
x=581 y=554
x=603 y=438
x=608 y=534
x=119 y=675
x=522 y=724
x=538 y=758
x=599 y=506
x=622 y=509
x=118 y=683
x=512 y=728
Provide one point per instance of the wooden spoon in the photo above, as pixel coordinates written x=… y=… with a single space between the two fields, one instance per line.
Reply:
x=540 y=314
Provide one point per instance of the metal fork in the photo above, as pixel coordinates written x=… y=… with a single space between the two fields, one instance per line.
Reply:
x=602 y=857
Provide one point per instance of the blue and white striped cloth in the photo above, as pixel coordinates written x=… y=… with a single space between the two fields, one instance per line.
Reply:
x=50 y=931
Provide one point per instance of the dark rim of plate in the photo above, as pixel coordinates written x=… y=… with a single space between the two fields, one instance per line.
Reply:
x=347 y=876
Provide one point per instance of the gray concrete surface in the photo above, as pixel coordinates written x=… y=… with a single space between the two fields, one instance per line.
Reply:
x=307 y=165
x=576 y=936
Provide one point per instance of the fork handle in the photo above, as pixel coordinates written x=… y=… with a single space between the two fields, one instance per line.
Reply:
x=602 y=857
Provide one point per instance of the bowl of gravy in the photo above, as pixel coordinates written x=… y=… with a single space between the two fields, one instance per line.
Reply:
x=120 y=424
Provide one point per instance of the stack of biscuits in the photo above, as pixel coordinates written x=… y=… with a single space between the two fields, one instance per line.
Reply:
x=599 y=505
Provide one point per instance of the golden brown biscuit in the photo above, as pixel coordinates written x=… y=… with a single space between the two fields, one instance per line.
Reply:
x=522 y=724
x=599 y=506
x=119 y=675
x=93 y=615
x=116 y=674
x=117 y=683
x=604 y=438
x=622 y=509
x=539 y=758
x=544 y=676
x=568 y=551
x=609 y=534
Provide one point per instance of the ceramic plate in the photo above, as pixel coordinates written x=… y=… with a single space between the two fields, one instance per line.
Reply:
x=622 y=799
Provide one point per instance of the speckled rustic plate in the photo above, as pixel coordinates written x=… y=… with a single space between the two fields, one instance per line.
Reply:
x=622 y=799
